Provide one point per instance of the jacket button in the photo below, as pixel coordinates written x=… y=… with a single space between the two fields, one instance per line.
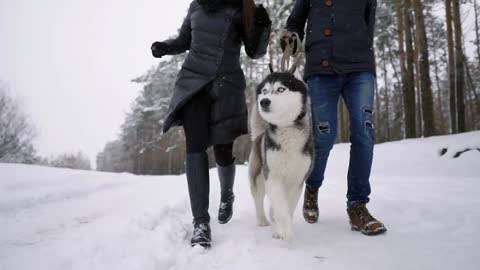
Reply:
x=329 y=3
x=325 y=63
x=327 y=32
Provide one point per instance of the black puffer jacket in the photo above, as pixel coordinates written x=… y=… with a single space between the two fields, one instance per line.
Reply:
x=339 y=36
x=213 y=35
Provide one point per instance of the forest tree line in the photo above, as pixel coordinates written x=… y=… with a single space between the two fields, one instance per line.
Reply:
x=17 y=135
x=427 y=85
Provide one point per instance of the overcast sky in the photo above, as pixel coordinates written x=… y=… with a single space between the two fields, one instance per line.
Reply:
x=71 y=62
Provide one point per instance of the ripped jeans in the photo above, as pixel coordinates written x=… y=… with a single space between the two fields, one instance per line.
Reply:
x=357 y=89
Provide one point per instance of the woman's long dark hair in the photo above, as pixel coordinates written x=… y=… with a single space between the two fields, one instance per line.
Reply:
x=248 y=11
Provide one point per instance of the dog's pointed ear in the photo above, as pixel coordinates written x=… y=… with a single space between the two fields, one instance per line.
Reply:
x=293 y=69
x=270 y=66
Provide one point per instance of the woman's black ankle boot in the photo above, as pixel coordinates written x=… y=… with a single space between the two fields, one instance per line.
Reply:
x=227 y=176
x=199 y=189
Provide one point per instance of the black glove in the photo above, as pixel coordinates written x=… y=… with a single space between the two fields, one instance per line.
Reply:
x=261 y=16
x=159 y=49
x=287 y=39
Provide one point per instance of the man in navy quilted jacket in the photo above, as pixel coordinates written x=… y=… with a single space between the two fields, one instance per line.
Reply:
x=340 y=62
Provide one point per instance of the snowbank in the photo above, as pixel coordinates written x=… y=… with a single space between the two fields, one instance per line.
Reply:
x=66 y=219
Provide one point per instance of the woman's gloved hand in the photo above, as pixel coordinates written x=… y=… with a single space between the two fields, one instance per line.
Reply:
x=159 y=49
x=261 y=16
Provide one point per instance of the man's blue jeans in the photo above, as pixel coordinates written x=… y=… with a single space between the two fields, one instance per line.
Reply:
x=357 y=89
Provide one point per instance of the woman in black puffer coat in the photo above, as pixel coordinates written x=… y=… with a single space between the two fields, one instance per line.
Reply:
x=209 y=99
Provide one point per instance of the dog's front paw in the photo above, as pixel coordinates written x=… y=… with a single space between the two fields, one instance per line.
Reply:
x=276 y=235
x=272 y=216
x=288 y=236
x=283 y=234
x=263 y=222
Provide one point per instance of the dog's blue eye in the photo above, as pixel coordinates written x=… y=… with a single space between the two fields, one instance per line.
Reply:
x=264 y=91
x=281 y=89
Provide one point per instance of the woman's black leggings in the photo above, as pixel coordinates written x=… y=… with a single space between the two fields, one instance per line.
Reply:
x=195 y=117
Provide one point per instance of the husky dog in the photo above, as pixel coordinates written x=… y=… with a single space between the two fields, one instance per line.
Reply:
x=282 y=150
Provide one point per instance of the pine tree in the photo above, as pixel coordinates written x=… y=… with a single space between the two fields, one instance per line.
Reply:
x=409 y=95
x=437 y=42
x=459 y=78
x=424 y=64
x=451 y=66
x=477 y=30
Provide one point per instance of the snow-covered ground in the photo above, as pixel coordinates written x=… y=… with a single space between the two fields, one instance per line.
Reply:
x=66 y=219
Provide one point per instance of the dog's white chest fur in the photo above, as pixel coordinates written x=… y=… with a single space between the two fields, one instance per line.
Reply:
x=289 y=161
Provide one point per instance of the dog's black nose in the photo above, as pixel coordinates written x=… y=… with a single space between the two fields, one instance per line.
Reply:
x=265 y=103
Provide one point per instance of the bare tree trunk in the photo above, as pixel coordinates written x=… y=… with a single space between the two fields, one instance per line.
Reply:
x=418 y=92
x=474 y=87
x=477 y=33
x=451 y=67
x=442 y=125
x=471 y=97
x=398 y=110
x=401 y=42
x=409 y=86
x=424 y=65
x=343 y=122
x=470 y=106
x=392 y=63
x=401 y=56
x=459 y=85
x=387 y=104
x=441 y=118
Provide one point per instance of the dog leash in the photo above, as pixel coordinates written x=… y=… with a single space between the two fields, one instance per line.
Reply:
x=288 y=52
x=285 y=62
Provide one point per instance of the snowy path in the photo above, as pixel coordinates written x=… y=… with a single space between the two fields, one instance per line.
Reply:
x=65 y=219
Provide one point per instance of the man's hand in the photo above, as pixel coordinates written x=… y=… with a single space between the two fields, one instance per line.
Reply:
x=287 y=38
